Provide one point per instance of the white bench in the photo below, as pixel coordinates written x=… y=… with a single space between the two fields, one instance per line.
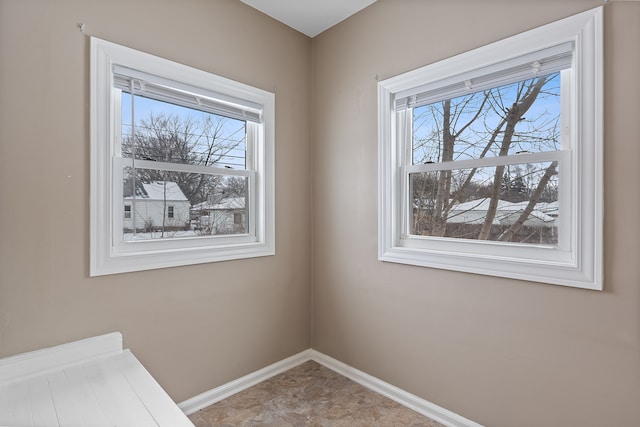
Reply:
x=92 y=382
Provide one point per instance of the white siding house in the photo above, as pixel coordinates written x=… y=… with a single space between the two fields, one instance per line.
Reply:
x=227 y=216
x=157 y=204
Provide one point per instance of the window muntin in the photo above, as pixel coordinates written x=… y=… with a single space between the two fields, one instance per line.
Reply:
x=569 y=253
x=177 y=153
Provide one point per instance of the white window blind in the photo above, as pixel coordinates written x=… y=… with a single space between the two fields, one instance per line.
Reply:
x=540 y=63
x=178 y=93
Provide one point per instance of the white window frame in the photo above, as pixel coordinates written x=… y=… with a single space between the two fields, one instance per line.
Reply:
x=109 y=254
x=577 y=260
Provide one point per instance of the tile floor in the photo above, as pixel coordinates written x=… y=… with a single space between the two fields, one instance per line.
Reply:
x=309 y=395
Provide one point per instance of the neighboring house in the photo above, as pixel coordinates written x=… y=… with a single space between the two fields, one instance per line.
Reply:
x=507 y=213
x=227 y=216
x=157 y=204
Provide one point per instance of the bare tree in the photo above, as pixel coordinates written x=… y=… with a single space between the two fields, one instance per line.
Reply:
x=485 y=123
x=174 y=139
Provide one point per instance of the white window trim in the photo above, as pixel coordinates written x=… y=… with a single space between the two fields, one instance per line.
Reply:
x=105 y=206
x=579 y=265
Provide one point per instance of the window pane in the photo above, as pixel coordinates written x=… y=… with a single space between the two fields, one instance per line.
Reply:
x=177 y=204
x=522 y=117
x=166 y=132
x=514 y=203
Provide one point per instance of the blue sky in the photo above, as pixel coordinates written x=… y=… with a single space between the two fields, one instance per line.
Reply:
x=543 y=114
x=232 y=130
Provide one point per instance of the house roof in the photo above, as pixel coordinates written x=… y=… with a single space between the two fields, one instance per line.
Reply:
x=506 y=212
x=159 y=190
x=535 y=217
x=503 y=205
x=230 y=203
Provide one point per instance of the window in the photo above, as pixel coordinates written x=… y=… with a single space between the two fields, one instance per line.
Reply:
x=176 y=152
x=491 y=161
x=237 y=218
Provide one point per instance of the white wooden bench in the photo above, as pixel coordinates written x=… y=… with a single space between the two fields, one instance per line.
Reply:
x=92 y=382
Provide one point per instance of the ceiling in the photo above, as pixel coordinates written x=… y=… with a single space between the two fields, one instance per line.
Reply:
x=310 y=17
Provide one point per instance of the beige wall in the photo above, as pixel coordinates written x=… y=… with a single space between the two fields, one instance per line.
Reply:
x=501 y=352
x=498 y=351
x=193 y=327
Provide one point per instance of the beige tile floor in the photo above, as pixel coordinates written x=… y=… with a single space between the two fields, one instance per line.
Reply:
x=308 y=395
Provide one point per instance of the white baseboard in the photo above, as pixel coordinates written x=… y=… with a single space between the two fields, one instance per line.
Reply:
x=236 y=386
x=404 y=398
